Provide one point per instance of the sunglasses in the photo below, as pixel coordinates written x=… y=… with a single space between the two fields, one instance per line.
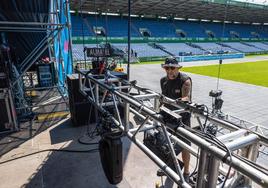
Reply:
x=169 y=68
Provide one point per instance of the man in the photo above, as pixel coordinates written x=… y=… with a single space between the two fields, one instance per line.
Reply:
x=177 y=85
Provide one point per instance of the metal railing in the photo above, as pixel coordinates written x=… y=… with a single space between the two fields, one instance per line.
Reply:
x=237 y=148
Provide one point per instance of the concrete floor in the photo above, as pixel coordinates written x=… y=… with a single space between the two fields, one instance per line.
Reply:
x=58 y=169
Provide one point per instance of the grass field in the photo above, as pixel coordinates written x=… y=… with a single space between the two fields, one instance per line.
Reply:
x=149 y=62
x=251 y=72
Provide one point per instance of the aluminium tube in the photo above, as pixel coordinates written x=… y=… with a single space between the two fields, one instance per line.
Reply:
x=33 y=60
x=146 y=127
x=226 y=124
x=145 y=109
x=232 y=135
x=213 y=172
x=142 y=107
x=242 y=142
x=148 y=152
x=141 y=126
x=174 y=138
x=126 y=113
x=40 y=88
x=171 y=174
x=116 y=109
x=190 y=149
x=222 y=123
x=23 y=29
x=29 y=23
x=191 y=108
x=138 y=114
x=41 y=105
x=145 y=96
x=246 y=169
x=201 y=169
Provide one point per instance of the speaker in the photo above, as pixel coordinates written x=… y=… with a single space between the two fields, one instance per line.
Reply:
x=4 y=114
x=4 y=81
x=4 y=78
x=82 y=112
x=110 y=148
x=8 y=118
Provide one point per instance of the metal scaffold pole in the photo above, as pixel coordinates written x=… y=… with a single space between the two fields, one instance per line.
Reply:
x=214 y=150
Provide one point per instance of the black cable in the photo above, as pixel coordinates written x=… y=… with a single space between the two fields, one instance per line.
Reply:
x=219 y=71
x=212 y=138
x=230 y=155
x=227 y=175
x=223 y=31
x=90 y=134
x=56 y=150
x=196 y=164
x=216 y=141
x=263 y=152
x=207 y=111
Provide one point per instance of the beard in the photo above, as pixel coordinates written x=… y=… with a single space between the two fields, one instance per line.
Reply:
x=172 y=76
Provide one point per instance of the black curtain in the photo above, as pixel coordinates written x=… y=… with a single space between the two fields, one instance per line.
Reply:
x=24 y=11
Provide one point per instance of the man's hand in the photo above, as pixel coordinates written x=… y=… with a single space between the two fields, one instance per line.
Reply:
x=186 y=90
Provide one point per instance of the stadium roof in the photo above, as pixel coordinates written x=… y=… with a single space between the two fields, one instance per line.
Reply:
x=235 y=11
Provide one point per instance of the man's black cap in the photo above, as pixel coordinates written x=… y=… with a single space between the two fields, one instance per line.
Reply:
x=171 y=62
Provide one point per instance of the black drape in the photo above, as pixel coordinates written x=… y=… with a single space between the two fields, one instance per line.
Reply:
x=24 y=11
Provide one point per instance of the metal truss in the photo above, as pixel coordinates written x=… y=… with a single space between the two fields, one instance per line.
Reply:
x=236 y=149
x=22 y=80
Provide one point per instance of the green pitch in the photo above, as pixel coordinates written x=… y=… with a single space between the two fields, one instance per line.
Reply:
x=252 y=72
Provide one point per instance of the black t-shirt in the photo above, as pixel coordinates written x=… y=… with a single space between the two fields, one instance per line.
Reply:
x=172 y=89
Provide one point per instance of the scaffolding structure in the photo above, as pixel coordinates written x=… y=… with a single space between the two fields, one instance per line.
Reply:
x=57 y=42
x=237 y=148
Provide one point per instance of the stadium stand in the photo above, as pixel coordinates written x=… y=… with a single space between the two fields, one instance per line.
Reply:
x=77 y=24
x=78 y=51
x=259 y=45
x=191 y=28
x=142 y=50
x=157 y=28
x=116 y=26
x=243 y=30
x=214 y=48
x=216 y=28
x=177 y=48
x=242 y=47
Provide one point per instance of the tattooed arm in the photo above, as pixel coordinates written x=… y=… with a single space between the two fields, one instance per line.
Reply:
x=186 y=90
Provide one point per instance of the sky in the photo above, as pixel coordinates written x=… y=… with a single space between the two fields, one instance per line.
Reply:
x=262 y=2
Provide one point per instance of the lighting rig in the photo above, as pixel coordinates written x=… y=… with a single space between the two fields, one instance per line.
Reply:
x=114 y=99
